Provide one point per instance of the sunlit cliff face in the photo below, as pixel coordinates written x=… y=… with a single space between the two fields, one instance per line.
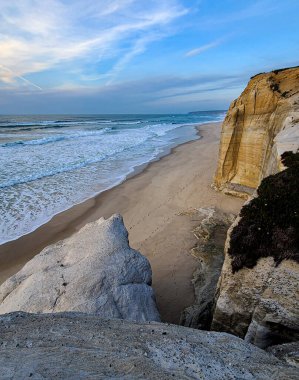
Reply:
x=260 y=125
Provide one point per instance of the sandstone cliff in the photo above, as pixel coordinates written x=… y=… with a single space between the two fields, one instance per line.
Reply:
x=93 y=271
x=259 y=126
x=82 y=346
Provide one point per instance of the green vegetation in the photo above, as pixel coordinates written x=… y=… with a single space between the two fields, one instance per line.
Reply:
x=270 y=222
x=275 y=87
x=257 y=75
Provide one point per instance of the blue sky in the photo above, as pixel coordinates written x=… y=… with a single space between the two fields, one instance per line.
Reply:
x=139 y=56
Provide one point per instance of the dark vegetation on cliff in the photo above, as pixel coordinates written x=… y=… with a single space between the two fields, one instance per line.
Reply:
x=275 y=71
x=270 y=222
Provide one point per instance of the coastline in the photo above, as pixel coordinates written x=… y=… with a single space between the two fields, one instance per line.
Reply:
x=190 y=134
x=150 y=200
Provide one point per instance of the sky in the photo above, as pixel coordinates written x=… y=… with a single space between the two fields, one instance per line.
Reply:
x=139 y=56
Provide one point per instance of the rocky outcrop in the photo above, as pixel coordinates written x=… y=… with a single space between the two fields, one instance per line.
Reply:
x=210 y=234
x=259 y=126
x=93 y=271
x=259 y=284
x=81 y=346
x=259 y=304
x=289 y=352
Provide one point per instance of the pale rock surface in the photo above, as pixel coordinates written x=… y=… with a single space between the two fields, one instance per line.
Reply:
x=259 y=126
x=288 y=138
x=80 y=346
x=93 y=271
x=260 y=304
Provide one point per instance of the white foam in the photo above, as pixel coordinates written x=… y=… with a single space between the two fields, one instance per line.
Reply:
x=40 y=180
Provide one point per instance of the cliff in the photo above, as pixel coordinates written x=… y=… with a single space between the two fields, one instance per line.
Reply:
x=260 y=304
x=259 y=126
x=257 y=293
x=82 y=346
x=258 y=290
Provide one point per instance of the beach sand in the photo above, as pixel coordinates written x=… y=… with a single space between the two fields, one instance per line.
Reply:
x=151 y=204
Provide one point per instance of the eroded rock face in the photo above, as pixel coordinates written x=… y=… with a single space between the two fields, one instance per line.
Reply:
x=289 y=352
x=259 y=126
x=93 y=271
x=259 y=304
x=81 y=346
x=211 y=236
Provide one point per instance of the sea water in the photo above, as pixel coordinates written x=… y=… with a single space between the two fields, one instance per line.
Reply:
x=48 y=163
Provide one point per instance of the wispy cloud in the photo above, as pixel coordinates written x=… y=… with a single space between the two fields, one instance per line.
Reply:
x=138 y=47
x=162 y=93
x=42 y=35
x=203 y=48
x=7 y=75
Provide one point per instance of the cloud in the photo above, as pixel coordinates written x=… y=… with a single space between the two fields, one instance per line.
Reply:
x=203 y=48
x=155 y=94
x=137 y=48
x=42 y=35
x=108 y=7
x=7 y=74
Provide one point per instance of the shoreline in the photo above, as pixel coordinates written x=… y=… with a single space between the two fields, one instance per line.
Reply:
x=133 y=171
x=139 y=169
x=150 y=200
x=136 y=171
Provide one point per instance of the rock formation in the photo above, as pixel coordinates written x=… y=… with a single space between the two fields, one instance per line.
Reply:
x=259 y=126
x=258 y=288
x=259 y=284
x=81 y=346
x=211 y=234
x=289 y=352
x=93 y=271
x=259 y=304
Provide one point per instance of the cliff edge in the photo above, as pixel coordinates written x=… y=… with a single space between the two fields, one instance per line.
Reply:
x=83 y=346
x=259 y=126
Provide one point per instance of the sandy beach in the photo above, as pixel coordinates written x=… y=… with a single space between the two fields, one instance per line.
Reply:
x=152 y=203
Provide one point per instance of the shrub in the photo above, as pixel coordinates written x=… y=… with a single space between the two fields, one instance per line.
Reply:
x=269 y=224
x=274 y=87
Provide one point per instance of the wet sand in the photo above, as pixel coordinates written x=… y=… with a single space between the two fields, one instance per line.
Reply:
x=152 y=203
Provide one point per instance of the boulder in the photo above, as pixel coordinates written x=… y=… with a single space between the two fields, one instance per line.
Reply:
x=80 y=346
x=93 y=271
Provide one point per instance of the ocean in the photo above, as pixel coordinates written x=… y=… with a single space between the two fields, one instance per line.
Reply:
x=49 y=163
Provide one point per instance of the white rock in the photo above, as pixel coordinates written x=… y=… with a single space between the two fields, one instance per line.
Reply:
x=93 y=271
x=80 y=346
